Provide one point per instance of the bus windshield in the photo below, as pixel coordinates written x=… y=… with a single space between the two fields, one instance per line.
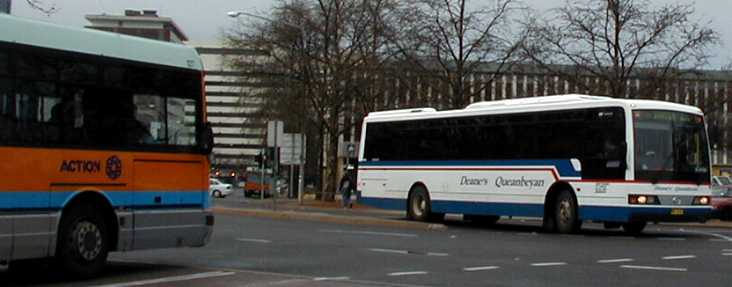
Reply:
x=670 y=146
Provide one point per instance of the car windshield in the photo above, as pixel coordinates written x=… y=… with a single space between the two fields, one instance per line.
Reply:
x=723 y=180
x=670 y=146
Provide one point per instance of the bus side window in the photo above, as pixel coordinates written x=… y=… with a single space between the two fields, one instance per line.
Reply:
x=6 y=115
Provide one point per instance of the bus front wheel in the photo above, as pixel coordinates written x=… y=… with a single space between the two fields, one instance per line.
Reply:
x=565 y=213
x=82 y=242
x=419 y=206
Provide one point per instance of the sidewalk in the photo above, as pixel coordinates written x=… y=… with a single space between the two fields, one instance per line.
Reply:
x=317 y=210
x=331 y=211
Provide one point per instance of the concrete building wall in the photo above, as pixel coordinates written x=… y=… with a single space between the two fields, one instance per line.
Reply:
x=233 y=102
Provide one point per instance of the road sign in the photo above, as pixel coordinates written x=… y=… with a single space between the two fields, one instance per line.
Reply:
x=291 y=149
x=275 y=130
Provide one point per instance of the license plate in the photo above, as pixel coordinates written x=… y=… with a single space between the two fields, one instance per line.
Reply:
x=677 y=211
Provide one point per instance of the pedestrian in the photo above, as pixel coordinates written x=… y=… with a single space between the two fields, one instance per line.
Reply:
x=346 y=186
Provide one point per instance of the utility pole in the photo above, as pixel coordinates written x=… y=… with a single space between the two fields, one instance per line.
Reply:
x=275 y=167
x=261 y=169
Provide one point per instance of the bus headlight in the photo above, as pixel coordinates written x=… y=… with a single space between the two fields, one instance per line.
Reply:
x=642 y=199
x=701 y=200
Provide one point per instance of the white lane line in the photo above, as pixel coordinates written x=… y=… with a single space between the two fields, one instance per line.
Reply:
x=395 y=251
x=544 y=264
x=720 y=236
x=331 y=278
x=407 y=273
x=653 y=268
x=265 y=241
x=726 y=250
x=671 y=238
x=615 y=260
x=480 y=268
x=369 y=233
x=678 y=257
x=437 y=254
x=726 y=254
x=170 y=279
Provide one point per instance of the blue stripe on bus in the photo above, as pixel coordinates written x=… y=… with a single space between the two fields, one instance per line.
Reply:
x=563 y=166
x=58 y=199
x=596 y=213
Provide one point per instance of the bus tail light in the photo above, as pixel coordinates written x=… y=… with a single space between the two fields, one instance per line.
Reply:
x=701 y=200
x=643 y=199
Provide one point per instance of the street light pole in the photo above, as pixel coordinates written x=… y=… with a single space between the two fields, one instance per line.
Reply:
x=301 y=28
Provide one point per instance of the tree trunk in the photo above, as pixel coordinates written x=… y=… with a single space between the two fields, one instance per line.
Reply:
x=330 y=185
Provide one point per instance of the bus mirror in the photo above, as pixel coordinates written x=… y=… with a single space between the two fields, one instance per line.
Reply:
x=207 y=138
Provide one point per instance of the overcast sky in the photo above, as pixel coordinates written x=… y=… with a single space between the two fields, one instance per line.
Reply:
x=203 y=21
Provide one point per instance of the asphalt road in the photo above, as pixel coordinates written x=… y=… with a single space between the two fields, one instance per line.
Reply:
x=249 y=251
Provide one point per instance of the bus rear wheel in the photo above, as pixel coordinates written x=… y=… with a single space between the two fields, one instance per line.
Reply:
x=419 y=206
x=565 y=213
x=82 y=246
x=634 y=227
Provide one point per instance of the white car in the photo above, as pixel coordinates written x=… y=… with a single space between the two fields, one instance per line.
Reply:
x=219 y=189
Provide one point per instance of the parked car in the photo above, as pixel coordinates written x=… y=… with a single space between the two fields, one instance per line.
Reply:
x=219 y=189
x=722 y=197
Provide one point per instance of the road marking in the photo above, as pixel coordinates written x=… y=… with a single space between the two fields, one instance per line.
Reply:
x=407 y=252
x=480 y=268
x=389 y=251
x=678 y=257
x=720 y=236
x=170 y=279
x=726 y=254
x=653 y=268
x=615 y=260
x=437 y=254
x=671 y=238
x=369 y=233
x=331 y=278
x=726 y=250
x=254 y=240
x=544 y=264
x=407 y=273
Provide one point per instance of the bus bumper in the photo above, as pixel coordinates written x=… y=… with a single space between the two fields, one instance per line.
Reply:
x=653 y=214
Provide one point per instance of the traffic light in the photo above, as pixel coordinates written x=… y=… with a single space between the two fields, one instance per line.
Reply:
x=258 y=159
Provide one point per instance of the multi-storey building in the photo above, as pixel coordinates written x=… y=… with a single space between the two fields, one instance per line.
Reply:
x=140 y=23
x=234 y=99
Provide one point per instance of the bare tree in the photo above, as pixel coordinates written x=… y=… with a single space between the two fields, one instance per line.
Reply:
x=616 y=41
x=455 y=40
x=327 y=60
x=40 y=6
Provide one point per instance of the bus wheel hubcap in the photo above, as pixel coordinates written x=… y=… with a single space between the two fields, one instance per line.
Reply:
x=88 y=240
x=419 y=205
x=565 y=213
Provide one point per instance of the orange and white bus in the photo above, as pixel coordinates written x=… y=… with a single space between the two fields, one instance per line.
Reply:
x=103 y=145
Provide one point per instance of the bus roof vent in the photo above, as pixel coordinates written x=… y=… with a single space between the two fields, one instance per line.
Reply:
x=402 y=111
x=534 y=101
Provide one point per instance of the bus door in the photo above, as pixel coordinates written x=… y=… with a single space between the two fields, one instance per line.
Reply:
x=32 y=226
x=6 y=226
